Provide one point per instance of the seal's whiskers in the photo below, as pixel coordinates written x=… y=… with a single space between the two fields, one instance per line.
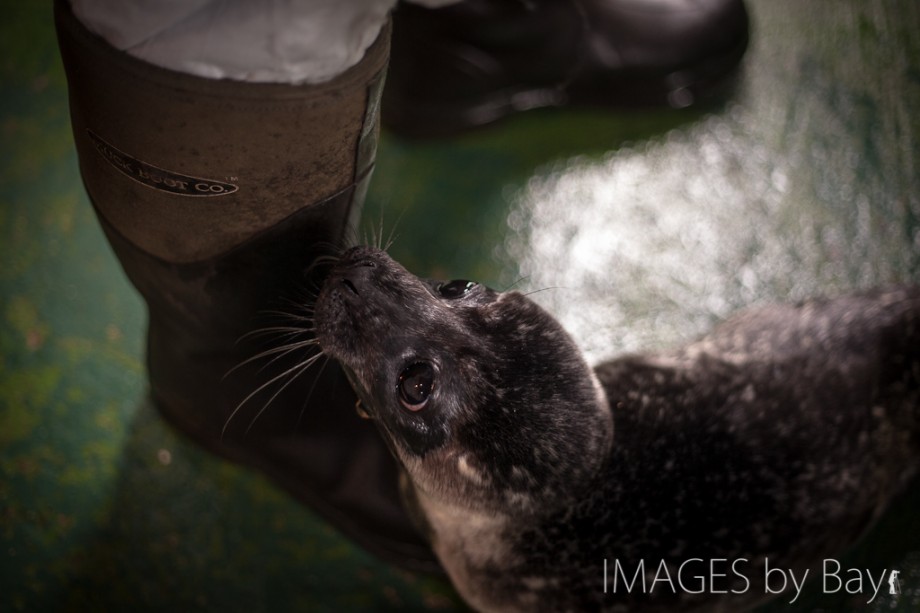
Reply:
x=289 y=339
x=300 y=370
x=293 y=373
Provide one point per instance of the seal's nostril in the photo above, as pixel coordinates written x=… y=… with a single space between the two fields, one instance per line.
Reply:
x=351 y=286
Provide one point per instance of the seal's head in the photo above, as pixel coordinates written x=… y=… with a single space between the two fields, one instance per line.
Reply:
x=483 y=397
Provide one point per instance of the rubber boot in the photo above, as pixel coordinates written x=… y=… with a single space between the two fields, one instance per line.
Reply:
x=475 y=62
x=216 y=196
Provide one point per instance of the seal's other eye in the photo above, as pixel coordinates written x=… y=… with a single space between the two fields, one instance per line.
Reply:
x=456 y=289
x=415 y=385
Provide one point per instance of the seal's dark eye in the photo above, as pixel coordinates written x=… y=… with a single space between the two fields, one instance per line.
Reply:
x=415 y=385
x=456 y=289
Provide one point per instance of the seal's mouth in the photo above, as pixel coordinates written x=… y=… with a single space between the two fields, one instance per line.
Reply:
x=363 y=407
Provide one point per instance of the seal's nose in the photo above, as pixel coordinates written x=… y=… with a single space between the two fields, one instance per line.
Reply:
x=356 y=270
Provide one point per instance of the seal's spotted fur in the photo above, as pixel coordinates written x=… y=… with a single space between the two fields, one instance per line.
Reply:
x=779 y=436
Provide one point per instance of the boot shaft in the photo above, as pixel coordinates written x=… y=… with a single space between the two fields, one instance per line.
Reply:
x=187 y=168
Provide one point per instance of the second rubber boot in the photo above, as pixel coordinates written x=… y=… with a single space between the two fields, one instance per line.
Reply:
x=216 y=196
x=475 y=62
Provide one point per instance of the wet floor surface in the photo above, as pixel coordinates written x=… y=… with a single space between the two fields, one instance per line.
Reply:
x=639 y=230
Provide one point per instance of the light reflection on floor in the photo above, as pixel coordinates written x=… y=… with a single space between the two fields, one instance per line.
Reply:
x=773 y=200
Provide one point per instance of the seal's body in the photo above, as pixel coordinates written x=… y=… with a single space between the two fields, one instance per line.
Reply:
x=656 y=481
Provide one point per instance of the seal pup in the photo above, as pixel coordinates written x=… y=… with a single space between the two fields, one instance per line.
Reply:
x=772 y=442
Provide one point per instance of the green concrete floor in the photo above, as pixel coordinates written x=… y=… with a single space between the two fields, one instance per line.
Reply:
x=645 y=227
